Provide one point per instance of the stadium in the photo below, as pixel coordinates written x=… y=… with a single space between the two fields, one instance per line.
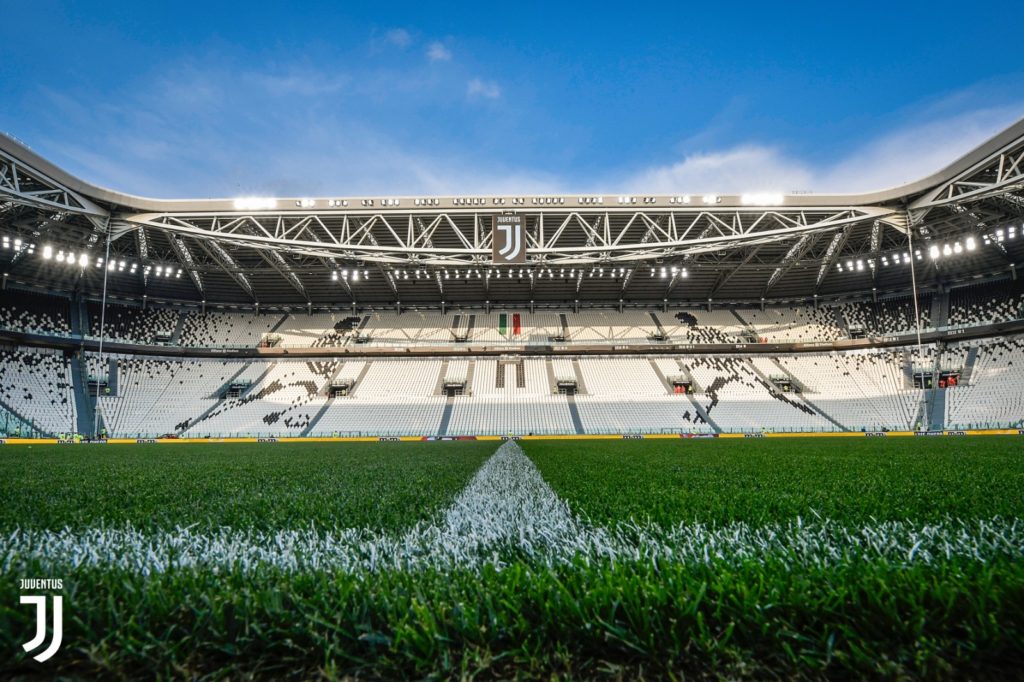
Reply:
x=574 y=345
x=428 y=317
x=631 y=343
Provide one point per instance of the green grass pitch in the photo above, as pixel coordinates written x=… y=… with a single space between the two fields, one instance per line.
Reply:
x=758 y=559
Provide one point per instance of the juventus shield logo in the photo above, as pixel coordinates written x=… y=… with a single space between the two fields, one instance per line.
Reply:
x=508 y=240
x=40 y=636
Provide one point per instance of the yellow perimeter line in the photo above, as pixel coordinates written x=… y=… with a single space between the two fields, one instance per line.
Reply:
x=417 y=439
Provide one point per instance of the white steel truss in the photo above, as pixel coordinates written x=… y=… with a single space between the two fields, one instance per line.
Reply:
x=553 y=238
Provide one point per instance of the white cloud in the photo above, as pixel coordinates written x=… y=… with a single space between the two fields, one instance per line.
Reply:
x=739 y=169
x=909 y=153
x=481 y=88
x=437 y=52
x=398 y=37
x=225 y=131
x=915 y=151
x=153 y=144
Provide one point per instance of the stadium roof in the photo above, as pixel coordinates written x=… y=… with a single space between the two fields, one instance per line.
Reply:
x=959 y=223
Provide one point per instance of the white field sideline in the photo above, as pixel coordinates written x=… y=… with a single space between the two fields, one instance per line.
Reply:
x=508 y=512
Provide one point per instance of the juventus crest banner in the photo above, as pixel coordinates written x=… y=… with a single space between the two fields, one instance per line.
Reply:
x=508 y=240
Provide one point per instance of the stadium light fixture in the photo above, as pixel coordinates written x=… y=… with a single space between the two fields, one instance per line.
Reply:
x=47 y=252
x=255 y=204
x=761 y=199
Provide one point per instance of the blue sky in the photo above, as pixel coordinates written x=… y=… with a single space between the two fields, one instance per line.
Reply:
x=333 y=99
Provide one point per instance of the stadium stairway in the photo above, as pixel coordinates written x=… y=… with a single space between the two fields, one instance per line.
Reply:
x=311 y=426
x=908 y=369
x=802 y=395
x=178 y=326
x=657 y=325
x=939 y=309
x=574 y=414
x=703 y=413
x=743 y=323
x=934 y=396
x=446 y=416
x=284 y=318
x=4 y=407
x=259 y=379
x=333 y=376
x=85 y=407
x=208 y=411
x=77 y=314
x=112 y=376
x=580 y=386
x=685 y=372
x=359 y=379
x=661 y=376
x=972 y=357
x=550 y=370
x=439 y=386
x=841 y=321
x=937 y=418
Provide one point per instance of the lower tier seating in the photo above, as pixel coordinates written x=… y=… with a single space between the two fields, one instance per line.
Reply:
x=199 y=397
x=36 y=386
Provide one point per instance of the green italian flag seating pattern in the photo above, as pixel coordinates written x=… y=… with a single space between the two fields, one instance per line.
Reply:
x=517 y=326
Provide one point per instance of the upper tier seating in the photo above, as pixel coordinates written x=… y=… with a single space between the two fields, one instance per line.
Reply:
x=695 y=325
x=891 y=316
x=410 y=328
x=129 y=323
x=319 y=330
x=226 y=329
x=35 y=313
x=589 y=326
x=985 y=303
x=793 y=324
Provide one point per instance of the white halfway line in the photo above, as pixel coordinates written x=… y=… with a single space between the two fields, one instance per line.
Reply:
x=505 y=513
